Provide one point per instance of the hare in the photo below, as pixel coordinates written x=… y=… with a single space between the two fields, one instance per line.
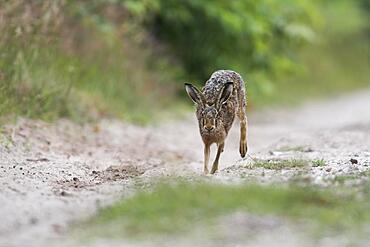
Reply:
x=221 y=98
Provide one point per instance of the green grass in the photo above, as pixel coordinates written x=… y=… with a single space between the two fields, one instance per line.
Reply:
x=281 y=164
x=82 y=88
x=82 y=69
x=31 y=91
x=178 y=208
x=318 y=162
x=292 y=148
x=5 y=141
x=342 y=179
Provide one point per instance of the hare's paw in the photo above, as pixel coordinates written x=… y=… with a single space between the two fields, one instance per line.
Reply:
x=243 y=148
x=205 y=171
x=214 y=169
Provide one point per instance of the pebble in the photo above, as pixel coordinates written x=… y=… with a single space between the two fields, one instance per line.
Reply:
x=353 y=161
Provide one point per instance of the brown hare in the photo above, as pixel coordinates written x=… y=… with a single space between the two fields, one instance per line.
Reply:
x=221 y=98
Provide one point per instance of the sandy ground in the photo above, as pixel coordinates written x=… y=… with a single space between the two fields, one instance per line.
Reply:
x=53 y=175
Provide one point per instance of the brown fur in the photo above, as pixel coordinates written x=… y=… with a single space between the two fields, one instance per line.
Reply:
x=221 y=98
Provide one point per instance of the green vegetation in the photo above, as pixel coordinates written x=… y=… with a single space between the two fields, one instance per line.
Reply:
x=176 y=208
x=5 y=141
x=254 y=37
x=318 y=162
x=78 y=65
x=342 y=179
x=286 y=50
x=124 y=58
x=281 y=164
x=294 y=149
x=337 y=61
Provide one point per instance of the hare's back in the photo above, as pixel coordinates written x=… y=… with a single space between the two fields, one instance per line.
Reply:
x=215 y=84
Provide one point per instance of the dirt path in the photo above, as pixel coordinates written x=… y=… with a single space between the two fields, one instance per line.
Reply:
x=54 y=174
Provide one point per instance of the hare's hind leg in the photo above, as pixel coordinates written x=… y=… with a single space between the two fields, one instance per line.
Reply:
x=206 y=157
x=241 y=112
x=215 y=163
x=243 y=145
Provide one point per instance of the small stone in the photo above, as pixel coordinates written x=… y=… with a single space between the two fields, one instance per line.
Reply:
x=63 y=193
x=353 y=161
x=33 y=221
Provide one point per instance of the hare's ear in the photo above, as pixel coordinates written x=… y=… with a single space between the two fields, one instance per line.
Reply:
x=225 y=93
x=194 y=94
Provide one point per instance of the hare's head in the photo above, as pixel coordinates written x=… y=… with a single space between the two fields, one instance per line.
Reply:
x=208 y=112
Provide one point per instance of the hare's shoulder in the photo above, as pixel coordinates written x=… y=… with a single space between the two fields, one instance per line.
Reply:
x=220 y=77
x=217 y=81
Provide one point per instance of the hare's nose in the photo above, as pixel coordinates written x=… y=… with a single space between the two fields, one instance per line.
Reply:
x=209 y=127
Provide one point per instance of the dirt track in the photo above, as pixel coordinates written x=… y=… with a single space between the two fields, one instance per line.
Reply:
x=54 y=174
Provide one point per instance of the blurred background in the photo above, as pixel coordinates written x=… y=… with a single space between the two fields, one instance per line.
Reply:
x=129 y=58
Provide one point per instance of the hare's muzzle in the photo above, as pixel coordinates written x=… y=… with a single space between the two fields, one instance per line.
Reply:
x=209 y=128
x=209 y=124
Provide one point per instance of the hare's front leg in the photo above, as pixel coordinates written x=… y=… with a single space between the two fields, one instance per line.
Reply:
x=206 y=157
x=215 y=163
x=243 y=146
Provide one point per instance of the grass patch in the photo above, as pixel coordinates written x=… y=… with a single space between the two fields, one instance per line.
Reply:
x=176 y=208
x=318 y=163
x=5 y=141
x=343 y=179
x=281 y=164
x=294 y=149
x=77 y=66
x=80 y=87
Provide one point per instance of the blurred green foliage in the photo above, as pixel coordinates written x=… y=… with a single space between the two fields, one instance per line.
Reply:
x=64 y=59
x=284 y=49
x=336 y=62
x=128 y=58
x=256 y=38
